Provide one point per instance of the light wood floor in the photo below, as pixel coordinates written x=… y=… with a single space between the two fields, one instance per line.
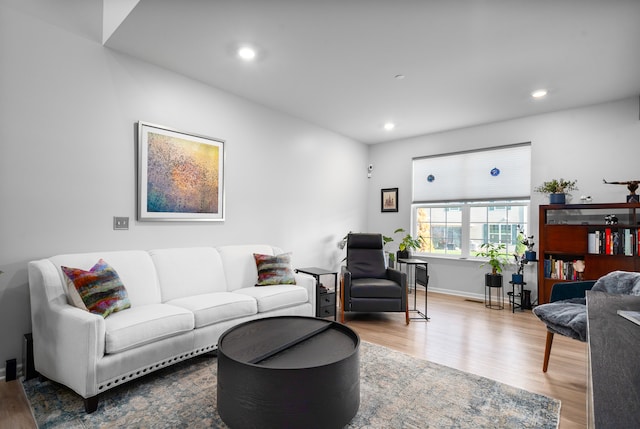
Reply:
x=497 y=344
x=14 y=407
x=462 y=334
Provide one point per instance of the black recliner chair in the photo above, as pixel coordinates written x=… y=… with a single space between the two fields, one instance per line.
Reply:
x=366 y=284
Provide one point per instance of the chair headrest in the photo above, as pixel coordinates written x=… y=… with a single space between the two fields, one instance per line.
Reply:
x=364 y=241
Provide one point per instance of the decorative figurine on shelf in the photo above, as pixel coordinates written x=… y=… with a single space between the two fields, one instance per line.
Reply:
x=611 y=219
x=579 y=266
x=632 y=186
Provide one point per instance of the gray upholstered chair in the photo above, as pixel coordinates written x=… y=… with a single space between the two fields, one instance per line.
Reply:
x=566 y=312
x=367 y=285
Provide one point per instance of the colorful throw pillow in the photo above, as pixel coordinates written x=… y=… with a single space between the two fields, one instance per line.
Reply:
x=100 y=289
x=274 y=270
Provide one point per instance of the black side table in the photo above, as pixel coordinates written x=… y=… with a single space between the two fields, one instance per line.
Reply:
x=415 y=263
x=325 y=297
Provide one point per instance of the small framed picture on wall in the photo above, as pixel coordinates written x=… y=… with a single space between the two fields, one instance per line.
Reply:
x=389 y=200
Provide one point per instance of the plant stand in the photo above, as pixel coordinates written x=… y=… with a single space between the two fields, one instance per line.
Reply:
x=515 y=296
x=493 y=283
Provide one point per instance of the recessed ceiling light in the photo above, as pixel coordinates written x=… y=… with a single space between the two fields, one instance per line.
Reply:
x=247 y=53
x=389 y=126
x=539 y=93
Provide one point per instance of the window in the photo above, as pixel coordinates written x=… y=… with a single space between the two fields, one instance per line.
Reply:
x=459 y=229
x=462 y=200
x=441 y=229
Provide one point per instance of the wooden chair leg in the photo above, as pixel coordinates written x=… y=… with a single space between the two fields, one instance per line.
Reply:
x=547 y=351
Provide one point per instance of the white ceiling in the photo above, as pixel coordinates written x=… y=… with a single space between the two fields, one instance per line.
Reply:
x=333 y=62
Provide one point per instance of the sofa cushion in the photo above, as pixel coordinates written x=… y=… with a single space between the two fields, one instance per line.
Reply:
x=567 y=317
x=145 y=324
x=188 y=272
x=100 y=289
x=274 y=270
x=239 y=264
x=217 y=307
x=274 y=297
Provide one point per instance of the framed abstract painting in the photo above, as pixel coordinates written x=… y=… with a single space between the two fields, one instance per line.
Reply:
x=180 y=175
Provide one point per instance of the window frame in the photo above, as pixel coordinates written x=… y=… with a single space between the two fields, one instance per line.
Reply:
x=465 y=234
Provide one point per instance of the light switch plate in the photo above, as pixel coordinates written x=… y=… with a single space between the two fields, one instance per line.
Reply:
x=120 y=222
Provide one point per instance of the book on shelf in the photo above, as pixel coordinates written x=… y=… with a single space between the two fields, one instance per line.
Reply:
x=547 y=268
x=592 y=246
x=612 y=241
x=615 y=242
x=627 y=242
x=561 y=269
x=633 y=316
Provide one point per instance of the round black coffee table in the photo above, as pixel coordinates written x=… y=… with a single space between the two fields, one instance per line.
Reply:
x=289 y=371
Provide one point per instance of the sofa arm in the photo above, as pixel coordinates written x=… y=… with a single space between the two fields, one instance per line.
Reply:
x=309 y=283
x=67 y=341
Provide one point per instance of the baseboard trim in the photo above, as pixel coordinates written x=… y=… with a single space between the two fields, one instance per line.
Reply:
x=457 y=293
x=3 y=373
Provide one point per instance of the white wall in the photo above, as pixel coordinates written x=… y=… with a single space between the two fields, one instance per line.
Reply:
x=587 y=144
x=67 y=112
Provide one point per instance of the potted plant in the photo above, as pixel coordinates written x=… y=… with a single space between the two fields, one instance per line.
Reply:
x=526 y=241
x=518 y=276
x=407 y=244
x=557 y=189
x=497 y=260
x=389 y=259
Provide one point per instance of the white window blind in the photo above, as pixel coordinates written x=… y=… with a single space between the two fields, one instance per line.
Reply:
x=497 y=173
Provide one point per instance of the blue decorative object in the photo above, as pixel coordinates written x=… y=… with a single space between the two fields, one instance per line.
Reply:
x=431 y=178
x=495 y=171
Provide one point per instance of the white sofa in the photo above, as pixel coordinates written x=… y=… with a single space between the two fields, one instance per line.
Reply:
x=182 y=300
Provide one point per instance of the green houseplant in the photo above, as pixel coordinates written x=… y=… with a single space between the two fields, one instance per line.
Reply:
x=525 y=245
x=496 y=254
x=408 y=243
x=557 y=189
x=497 y=260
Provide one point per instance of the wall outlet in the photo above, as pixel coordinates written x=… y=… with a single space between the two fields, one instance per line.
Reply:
x=120 y=222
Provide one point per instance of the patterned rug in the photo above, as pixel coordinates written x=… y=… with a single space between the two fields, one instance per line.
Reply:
x=396 y=391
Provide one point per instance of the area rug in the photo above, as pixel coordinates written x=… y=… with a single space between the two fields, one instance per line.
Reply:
x=396 y=391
